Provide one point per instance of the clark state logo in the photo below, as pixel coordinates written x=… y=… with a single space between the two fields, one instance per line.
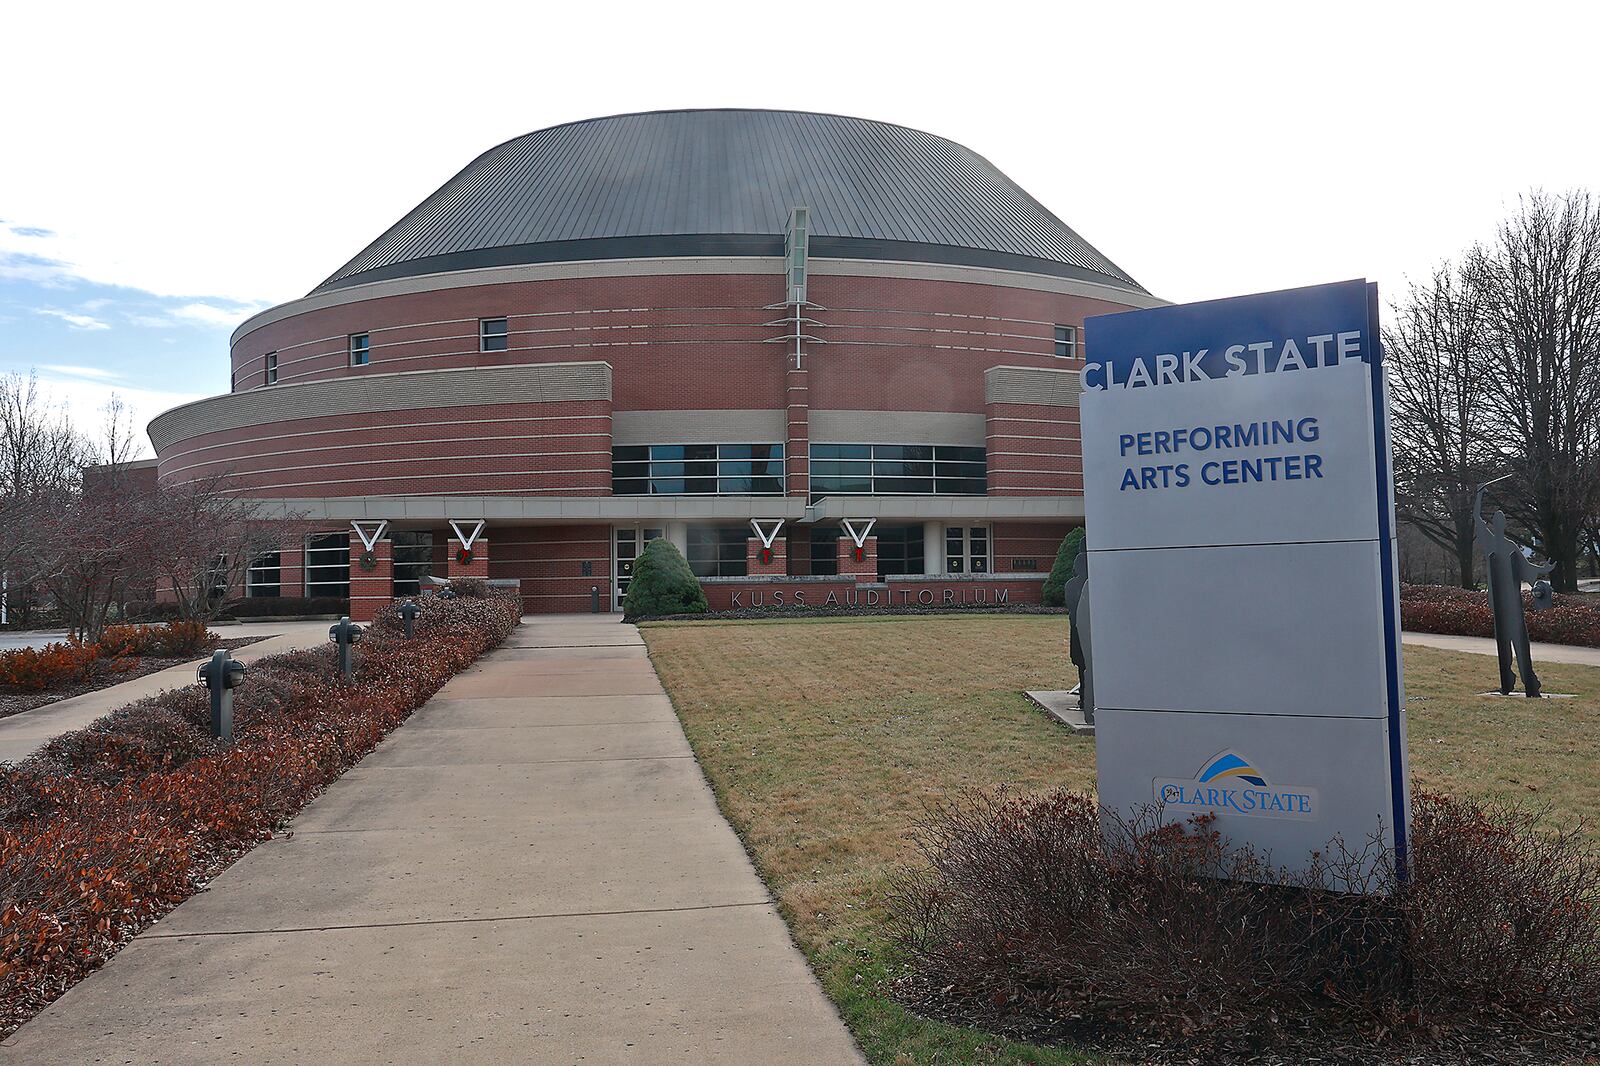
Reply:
x=1229 y=784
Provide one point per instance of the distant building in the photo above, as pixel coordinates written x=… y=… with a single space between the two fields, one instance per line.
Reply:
x=667 y=325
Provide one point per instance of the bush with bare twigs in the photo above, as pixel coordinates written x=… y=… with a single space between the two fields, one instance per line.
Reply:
x=1027 y=917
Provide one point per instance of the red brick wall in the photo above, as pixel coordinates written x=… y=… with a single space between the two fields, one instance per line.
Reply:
x=779 y=566
x=478 y=567
x=1033 y=450
x=549 y=560
x=1027 y=540
x=500 y=449
x=371 y=591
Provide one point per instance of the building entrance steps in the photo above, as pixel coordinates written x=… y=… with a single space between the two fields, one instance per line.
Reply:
x=520 y=873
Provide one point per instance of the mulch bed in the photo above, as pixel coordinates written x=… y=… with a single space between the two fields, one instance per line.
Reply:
x=15 y=702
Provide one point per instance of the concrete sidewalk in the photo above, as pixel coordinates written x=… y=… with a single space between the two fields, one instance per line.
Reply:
x=532 y=869
x=23 y=734
x=1542 y=653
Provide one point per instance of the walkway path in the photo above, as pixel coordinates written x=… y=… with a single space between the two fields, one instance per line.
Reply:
x=22 y=734
x=1542 y=653
x=532 y=869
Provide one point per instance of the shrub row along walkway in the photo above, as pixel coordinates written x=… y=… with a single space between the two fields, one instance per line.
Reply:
x=531 y=869
x=23 y=734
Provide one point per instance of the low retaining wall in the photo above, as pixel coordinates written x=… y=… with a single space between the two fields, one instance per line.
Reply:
x=910 y=590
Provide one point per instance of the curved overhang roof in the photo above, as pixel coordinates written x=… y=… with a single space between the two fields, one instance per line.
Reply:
x=722 y=183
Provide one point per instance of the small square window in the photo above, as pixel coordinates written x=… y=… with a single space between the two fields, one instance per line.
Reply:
x=360 y=352
x=1067 y=342
x=492 y=335
x=272 y=368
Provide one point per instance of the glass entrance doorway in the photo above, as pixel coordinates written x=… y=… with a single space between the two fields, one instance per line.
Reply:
x=629 y=541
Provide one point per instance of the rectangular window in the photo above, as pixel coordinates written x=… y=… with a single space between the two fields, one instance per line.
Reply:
x=966 y=549
x=328 y=565
x=272 y=368
x=824 y=551
x=898 y=469
x=492 y=335
x=413 y=560
x=359 y=349
x=899 y=550
x=1067 y=342
x=718 y=551
x=264 y=578
x=697 y=470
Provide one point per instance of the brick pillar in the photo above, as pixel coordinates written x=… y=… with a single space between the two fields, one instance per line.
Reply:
x=864 y=570
x=371 y=591
x=779 y=565
x=797 y=438
x=479 y=567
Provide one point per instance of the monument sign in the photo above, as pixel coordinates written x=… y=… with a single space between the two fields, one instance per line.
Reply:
x=1240 y=525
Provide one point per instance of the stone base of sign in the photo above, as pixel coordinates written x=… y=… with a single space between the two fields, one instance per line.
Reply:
x=1063 y=707
x=1525 y=696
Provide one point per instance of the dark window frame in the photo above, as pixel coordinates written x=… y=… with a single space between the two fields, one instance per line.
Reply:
x=697 y=469
x=898 y=470
x=488 y=337
x=1066 y=341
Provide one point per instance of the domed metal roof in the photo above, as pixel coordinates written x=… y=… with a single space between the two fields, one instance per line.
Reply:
x=686 y=183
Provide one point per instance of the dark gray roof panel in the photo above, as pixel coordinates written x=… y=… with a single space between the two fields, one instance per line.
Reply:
x=722 y=182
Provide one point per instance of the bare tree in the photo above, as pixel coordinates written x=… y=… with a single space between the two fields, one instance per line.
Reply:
x=200 y=538
x=1439 y=386
x=41 y=457
x=1540 y=282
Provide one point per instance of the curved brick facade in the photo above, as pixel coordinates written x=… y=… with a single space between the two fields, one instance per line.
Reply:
x=620 y=336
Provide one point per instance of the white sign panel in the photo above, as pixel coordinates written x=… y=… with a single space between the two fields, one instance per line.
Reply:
x=1240 y=522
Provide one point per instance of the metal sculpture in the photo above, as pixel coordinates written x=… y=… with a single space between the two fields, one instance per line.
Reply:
x=1076 y=593
x=1507 y=567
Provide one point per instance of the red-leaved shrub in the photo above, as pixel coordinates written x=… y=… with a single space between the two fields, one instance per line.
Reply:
x=1026 y=915
x=109 y=827
x=1464 y=612
x=60 y=665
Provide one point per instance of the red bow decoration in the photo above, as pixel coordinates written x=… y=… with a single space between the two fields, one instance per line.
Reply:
x=464 y=556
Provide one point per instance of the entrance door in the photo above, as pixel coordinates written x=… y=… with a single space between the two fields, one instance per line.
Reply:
x=629 y=542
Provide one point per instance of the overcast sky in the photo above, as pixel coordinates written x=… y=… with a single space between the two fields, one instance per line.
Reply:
x=165 y=170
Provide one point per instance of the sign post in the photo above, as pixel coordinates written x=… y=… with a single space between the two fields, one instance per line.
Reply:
x=1240 y=521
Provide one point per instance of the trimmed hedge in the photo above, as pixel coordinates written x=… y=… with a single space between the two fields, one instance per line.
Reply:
x=109 y=827
x=662 y=584
x=1464 y=612
x=1066 y=556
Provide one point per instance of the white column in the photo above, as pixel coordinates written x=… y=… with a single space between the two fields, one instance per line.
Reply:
x=933 y=547
x=678 y=534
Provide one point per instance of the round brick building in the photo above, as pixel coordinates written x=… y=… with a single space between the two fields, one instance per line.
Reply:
x=863 y=337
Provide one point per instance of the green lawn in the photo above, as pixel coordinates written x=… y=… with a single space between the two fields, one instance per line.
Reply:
x=824 y=739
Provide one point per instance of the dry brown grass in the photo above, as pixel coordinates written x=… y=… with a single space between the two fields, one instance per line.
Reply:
x=824 y=740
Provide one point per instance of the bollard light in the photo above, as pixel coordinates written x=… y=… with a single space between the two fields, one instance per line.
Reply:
x=408 y=615
x=221 y=674
x=345 y=633
x=594 y=599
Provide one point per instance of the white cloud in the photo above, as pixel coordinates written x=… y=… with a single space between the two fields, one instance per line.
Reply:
x=85 y=402
x=76 y=321
x=210 y=315
x=92 y=372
